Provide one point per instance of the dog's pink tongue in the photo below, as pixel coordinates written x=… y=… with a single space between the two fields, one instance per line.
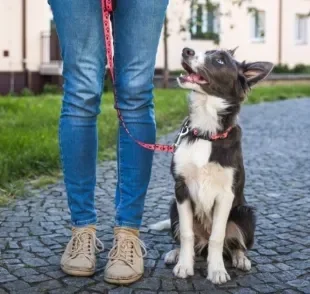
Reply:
x=193 y=78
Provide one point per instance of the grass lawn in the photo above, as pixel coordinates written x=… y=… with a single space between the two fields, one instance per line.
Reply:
x=29 y=132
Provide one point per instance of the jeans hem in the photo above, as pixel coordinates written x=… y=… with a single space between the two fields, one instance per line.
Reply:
x=84 y=223
x=127 y=225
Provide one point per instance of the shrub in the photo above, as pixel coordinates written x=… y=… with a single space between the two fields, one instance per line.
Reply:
x=51 y=89
x=26 y=92
x=281 y=68
x=301 y=68
x=297 y=69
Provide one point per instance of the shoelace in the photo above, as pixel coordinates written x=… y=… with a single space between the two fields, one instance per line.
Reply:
x=124 y=247
x=82 y=241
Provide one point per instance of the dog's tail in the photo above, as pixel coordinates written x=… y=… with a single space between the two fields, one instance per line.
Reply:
x=160 y=226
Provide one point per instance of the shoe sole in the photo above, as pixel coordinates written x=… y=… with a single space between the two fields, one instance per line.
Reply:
x=77 y=273
x=122 y=282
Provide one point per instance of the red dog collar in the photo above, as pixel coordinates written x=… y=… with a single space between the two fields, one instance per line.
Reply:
x=215 y=137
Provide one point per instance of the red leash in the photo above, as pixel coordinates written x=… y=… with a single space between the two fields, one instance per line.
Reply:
x=107 y=8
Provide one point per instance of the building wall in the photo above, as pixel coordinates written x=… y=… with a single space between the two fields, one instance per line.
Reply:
x=10 y=32
x=38 y=20
x=235 y=30
x=12 y=75
x=292 y=52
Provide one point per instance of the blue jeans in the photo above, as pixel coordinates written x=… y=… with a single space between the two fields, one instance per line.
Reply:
x=137 y=27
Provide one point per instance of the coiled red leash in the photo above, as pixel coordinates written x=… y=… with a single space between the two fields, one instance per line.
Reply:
x=107 y=7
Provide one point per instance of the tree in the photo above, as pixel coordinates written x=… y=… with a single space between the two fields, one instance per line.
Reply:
x=166 y=57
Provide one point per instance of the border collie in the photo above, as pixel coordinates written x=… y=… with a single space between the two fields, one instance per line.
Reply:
x=209 y=215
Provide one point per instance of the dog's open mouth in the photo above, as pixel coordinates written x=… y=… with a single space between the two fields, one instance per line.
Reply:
x=191 y=76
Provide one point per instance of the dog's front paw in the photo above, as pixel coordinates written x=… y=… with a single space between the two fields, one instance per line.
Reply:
x=183 y=270
x=218 y=275
x=241 y=262
x=172 y=256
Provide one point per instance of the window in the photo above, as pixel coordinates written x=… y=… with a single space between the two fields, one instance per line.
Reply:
x=258 y=25
x=301 y=24
x=204 y=21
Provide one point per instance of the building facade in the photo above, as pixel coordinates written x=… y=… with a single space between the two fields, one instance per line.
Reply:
x=276 y=31
x=29 y=54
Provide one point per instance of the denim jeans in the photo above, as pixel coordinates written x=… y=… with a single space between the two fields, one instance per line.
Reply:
x=137 y=27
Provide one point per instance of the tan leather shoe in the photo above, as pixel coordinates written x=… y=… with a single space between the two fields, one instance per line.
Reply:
x=125 y=263
x=79 y=258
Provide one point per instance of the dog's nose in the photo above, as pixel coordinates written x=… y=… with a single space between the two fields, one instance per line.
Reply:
x=188 y=52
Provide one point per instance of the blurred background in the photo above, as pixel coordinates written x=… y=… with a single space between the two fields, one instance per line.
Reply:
x=276 y=31
x=31 y=68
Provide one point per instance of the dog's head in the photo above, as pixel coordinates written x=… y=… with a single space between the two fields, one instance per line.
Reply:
x=217 y=73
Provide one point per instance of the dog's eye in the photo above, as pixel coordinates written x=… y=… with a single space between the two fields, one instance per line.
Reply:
x=220 y=61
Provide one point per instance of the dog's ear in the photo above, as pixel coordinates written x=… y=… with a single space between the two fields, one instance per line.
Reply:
x=232 y=51
x=256 y=71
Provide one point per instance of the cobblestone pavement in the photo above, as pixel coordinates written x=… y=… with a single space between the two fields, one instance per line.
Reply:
x=34 y=232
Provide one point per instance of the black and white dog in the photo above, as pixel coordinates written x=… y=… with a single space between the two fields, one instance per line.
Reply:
x=209 y=215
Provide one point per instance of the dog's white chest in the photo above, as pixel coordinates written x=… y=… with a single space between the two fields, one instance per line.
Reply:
x=205 y=180
x=192 y=155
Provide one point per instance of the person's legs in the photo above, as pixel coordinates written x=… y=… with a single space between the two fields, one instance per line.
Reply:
x=137 y=28
x=79 y=28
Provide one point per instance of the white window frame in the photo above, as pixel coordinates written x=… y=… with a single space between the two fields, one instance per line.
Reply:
x=301 y=29
x=258 y=26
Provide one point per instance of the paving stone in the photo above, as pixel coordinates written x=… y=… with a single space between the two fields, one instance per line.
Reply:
x=283 y=266
x=305 y=290
x=162 y=273
x=56 y=274
x=299 y=283
x=35 y=278
x=168 y=285
x=203 y=285
x=7 y=256
x=267 y=278
x=77 y=281
x=270 y=268
x=25 y=271
x=34 y=262
x=183 y=285
x=121 y=290
x=11 y=261
x=65 y=290
x=288 y=275
x=16 y=286
x=248 y=280
x=263 y=288
x=150 y=263
x=7 y=278
x=148 y=284
x=244 y=291
x=45 y=287
x=102 y=286
x=290 y=291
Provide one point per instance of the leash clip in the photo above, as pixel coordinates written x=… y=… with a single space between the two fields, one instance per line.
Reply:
x=184 y=131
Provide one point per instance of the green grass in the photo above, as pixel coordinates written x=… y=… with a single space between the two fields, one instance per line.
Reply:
x=29 y=132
